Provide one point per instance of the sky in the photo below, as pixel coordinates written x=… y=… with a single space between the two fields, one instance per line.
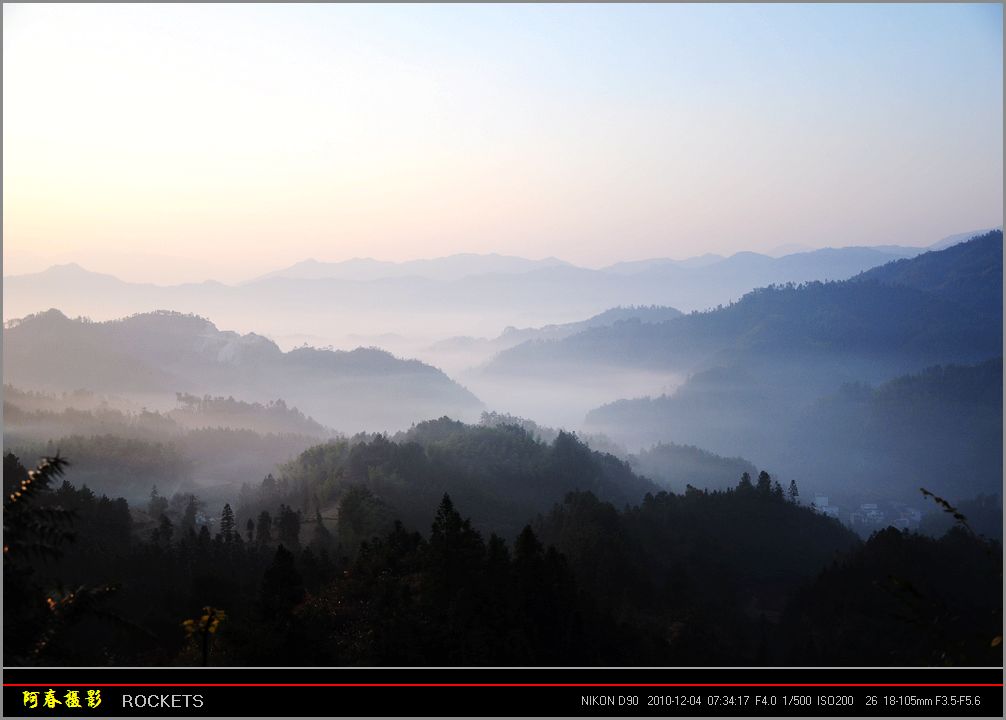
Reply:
x=169 y=143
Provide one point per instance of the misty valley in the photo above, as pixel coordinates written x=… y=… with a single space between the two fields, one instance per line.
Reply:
x=488 y=460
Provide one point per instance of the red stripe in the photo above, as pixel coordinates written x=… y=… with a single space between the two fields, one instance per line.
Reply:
x=509 y=685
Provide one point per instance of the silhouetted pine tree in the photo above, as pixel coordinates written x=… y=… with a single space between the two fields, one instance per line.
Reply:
x=263 y=531
x=227 y=523
x=282 y=587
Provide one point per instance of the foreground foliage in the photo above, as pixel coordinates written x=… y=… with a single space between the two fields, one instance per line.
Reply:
x=735 y=577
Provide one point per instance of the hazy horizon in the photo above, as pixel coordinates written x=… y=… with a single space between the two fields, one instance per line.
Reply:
x=136 y=274
x=228 y=141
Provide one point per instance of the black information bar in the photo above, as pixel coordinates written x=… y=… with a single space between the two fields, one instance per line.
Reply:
x=286 y=692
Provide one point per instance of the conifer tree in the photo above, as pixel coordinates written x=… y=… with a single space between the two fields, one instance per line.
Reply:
x=227 y=523
x=263 y=531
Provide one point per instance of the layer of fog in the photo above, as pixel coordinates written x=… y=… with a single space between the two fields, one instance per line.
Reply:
x=565 y=402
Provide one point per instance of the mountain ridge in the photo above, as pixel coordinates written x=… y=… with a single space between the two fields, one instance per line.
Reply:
x=874 y=312
x=166 y=352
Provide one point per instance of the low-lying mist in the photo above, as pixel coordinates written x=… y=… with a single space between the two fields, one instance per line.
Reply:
x=564 y=401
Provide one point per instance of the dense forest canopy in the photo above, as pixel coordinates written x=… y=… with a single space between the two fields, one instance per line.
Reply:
x=741 y=576
x=504 y=474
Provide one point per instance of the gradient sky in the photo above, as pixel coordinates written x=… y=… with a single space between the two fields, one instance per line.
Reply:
x=171 y=142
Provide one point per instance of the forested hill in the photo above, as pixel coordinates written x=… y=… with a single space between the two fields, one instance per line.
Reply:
x=164 y=353
x=207 y=442
x=611 y=316
x=938 y=307
x=480 y=348
x=671 y=579
x=969 y=274
x=940 y=426
x=944 y=423
x=501 y=475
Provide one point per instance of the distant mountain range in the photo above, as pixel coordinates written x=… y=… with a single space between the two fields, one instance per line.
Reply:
x=452 y=267
x=455 y=267
x=425 y=301
x=937 y=307
x=156 y=355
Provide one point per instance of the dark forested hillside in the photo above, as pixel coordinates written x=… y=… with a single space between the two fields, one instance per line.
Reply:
x=156 y=355
x=902 y=599
x=503 y=475
x=741 y=576
x=969 y=274
x=707 y=569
